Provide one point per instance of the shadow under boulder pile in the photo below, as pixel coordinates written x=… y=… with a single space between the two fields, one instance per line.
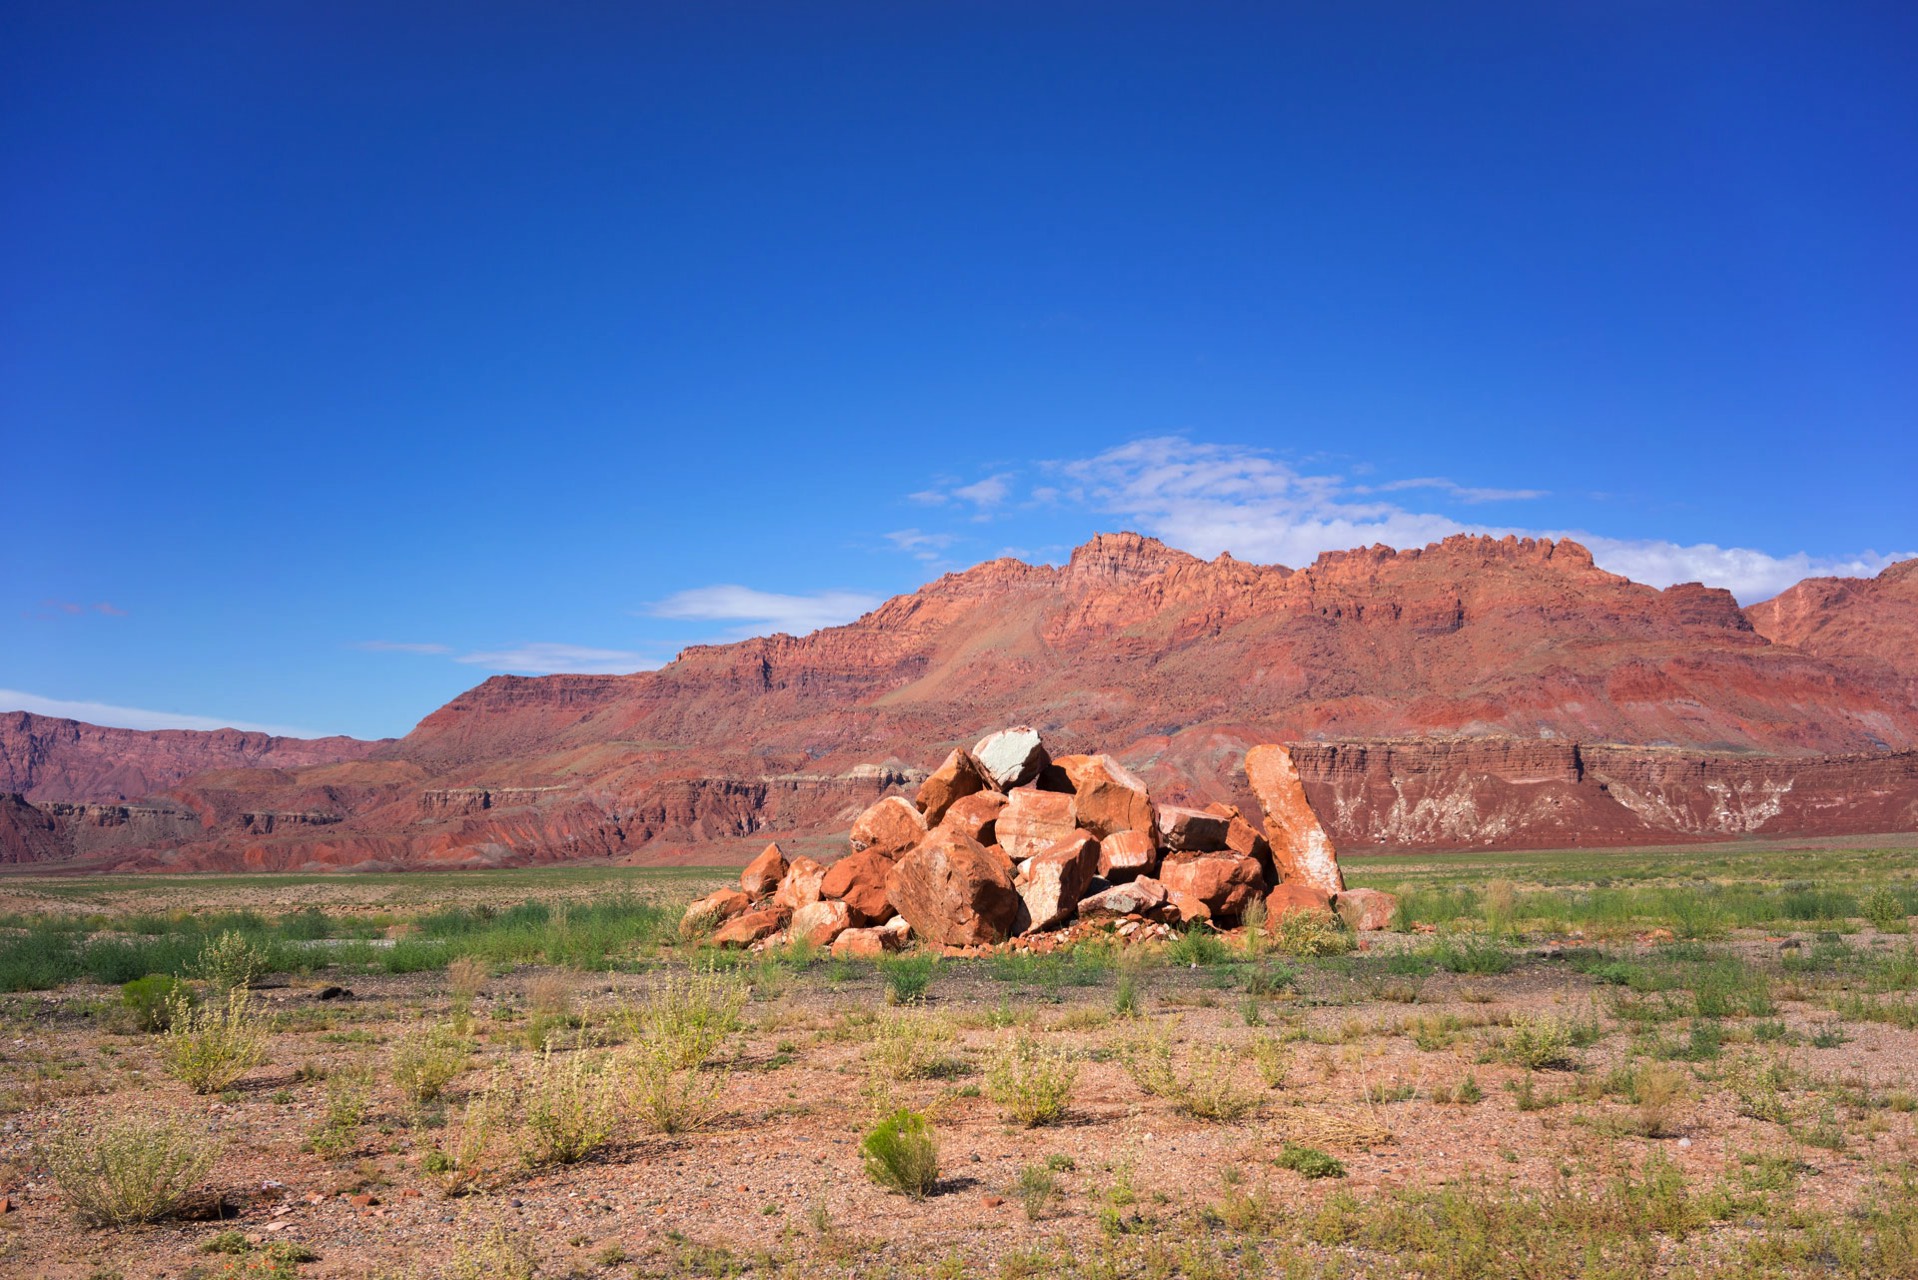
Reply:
x=1003 y=841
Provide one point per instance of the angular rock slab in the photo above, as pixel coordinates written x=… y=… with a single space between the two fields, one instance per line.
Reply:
x=1011 y=757
x=1126 y=855
x=1110 y=797
x=820 y=923
x=763 y=874
x=1054 y=880
x=891 y=827
x=1368 y=910
x=1142 y=897
x=1227 y=883
x=743 y=931
x=953 y=893
x=1184 y=830
x=954 y=780
x=716 y=907
x=976 y=816
x=1301 y=850
x=1293 y=896
x=859 y=881
x=1033 y=820
x=800 y=888
x=864 y=944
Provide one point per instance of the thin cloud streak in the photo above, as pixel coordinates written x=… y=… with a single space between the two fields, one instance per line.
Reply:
x=397 y=646
x=765 y=611
x=545 y=659
x=106 y=713
x=1208 y=498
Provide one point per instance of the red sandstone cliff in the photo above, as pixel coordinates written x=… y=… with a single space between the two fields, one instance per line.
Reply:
x=44 y=758
x=1473 y=666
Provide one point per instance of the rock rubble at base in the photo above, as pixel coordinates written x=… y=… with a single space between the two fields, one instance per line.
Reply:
x=1004 y=844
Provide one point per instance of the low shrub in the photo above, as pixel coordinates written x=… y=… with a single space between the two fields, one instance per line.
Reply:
x=666 y=1096
x=907 y=978
x=229 y=961
x=566 y=1109
x=1030 y=1083
x=135 y=1167
x=149 y=1000
x=902 y=1154
x=1309 y=1162
x=1537 y=1043
x=208 y=1047
x=423 y=1065
x=1311 y=933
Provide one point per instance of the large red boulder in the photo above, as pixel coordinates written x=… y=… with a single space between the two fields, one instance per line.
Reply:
x=1011 y=757
x=1109 y=797
x=859 y=881
x=891 y=827
x=954 y=780
x=953 y=893
x=1184 y=830
x=1293 y=896
x=864 y=944
x=1227 y=883
x=1055 y=879
x=976 y=816
x=1367 y=910
x=820 y=923
x=744 y=930
x=1033 y=820
x=1301 y=850
x=763 y=874
x=715 y=908
x=1124 y=855
x=1144 y=896
x=800 y=888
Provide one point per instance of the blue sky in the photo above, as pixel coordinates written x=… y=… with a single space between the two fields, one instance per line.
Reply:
x=352 y=353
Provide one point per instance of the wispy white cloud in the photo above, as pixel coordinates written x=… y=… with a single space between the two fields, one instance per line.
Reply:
x=1463 y=493
x=397 y=646
x=1209 y=498
x=106 y=713
x=761 y=612
x=542 y=659
x=981 y=495
x=921 y=545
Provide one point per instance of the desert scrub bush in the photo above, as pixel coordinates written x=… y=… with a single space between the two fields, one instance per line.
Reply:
x=149 y=1000
x=1311 y=933
x=1473 y=953
x=135 y=1167
x=1211 y=1087
x=1148 y=1060
x=1759 y=1083
x=207 y=1047
x=1197 y=947
x=1128 y=996
x=1309 y=1162
x=349 y=1098
x=902 y=1154
x=664 y=1095
x=906 y=977
x=687 y=1017
x=1885 y=911
x=1031 y=1083
x=230 y=961
x=566 y=1108
x=1537 y=1043
x=913 y=1048
x=1657 y=1090
x=464 y=1160
x=424 y=1064
x=465 y=977
x=1037 y=1186
x=497 y=1254
x=1273 y=1058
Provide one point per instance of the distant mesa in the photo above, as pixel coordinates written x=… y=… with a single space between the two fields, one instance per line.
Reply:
x=1475 y=693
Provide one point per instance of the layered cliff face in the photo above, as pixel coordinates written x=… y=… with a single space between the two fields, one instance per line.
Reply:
x=44 y=758
x=1479 y=662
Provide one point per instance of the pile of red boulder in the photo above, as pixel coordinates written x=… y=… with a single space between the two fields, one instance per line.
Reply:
x=1003 y=841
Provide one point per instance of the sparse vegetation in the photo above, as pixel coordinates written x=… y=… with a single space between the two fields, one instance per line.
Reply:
x=1031 y=1084
x=902 y=1154
x=138 y=1166
x=209 y=1046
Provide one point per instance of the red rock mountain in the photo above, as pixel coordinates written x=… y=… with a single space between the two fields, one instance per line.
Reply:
x=1477 y=691
x=44 y=758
